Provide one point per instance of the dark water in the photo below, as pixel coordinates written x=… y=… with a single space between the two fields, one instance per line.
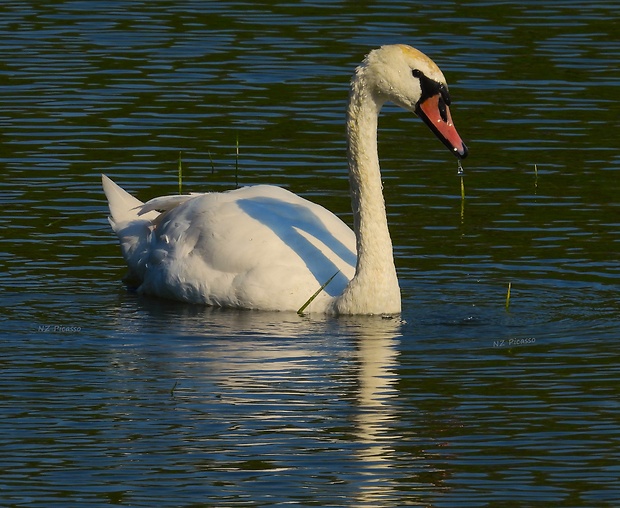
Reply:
x=108 y=398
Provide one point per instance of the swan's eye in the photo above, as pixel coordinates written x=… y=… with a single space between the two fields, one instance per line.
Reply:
x=416 y=73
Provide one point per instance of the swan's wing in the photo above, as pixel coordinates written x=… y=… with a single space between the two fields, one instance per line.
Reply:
x=164 y=203
x=257 y=247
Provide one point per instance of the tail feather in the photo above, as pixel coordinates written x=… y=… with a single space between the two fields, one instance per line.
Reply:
x=123 y=206
x=133 y=230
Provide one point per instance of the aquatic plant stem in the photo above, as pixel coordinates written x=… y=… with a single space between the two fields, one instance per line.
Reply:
x=211 y=161
x=309 y=301
x=237 y=164
x=180 y=171
x=508 y=296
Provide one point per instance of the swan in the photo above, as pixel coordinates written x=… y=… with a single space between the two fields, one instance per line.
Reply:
x=263 y=247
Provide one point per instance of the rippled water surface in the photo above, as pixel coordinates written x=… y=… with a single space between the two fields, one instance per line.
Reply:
x=108 y=398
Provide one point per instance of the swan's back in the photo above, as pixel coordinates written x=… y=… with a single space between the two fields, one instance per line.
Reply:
x=259 y=247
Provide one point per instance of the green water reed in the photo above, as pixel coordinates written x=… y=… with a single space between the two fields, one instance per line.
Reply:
x=508 y=296
x=311 y=299
x=180 y=173
x=237 y=162
x=211 y=161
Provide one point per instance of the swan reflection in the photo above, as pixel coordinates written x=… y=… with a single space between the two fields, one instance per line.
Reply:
x=303 y=396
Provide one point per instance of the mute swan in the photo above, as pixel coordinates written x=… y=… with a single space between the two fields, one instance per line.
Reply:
x=263 y=247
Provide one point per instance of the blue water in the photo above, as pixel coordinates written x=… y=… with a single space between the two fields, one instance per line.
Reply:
x=108 y=398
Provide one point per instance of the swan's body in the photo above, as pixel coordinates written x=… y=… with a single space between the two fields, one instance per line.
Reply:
x=264 y=247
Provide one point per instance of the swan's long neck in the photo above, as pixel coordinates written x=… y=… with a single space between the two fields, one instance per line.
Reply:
x=374 y=289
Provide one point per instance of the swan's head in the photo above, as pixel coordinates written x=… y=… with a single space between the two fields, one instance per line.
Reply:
x=408 y=78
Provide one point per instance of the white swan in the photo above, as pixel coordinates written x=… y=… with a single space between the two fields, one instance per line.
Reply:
x=262 y=247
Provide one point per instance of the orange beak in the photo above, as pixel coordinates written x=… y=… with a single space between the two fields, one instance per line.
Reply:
x=436 y=114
